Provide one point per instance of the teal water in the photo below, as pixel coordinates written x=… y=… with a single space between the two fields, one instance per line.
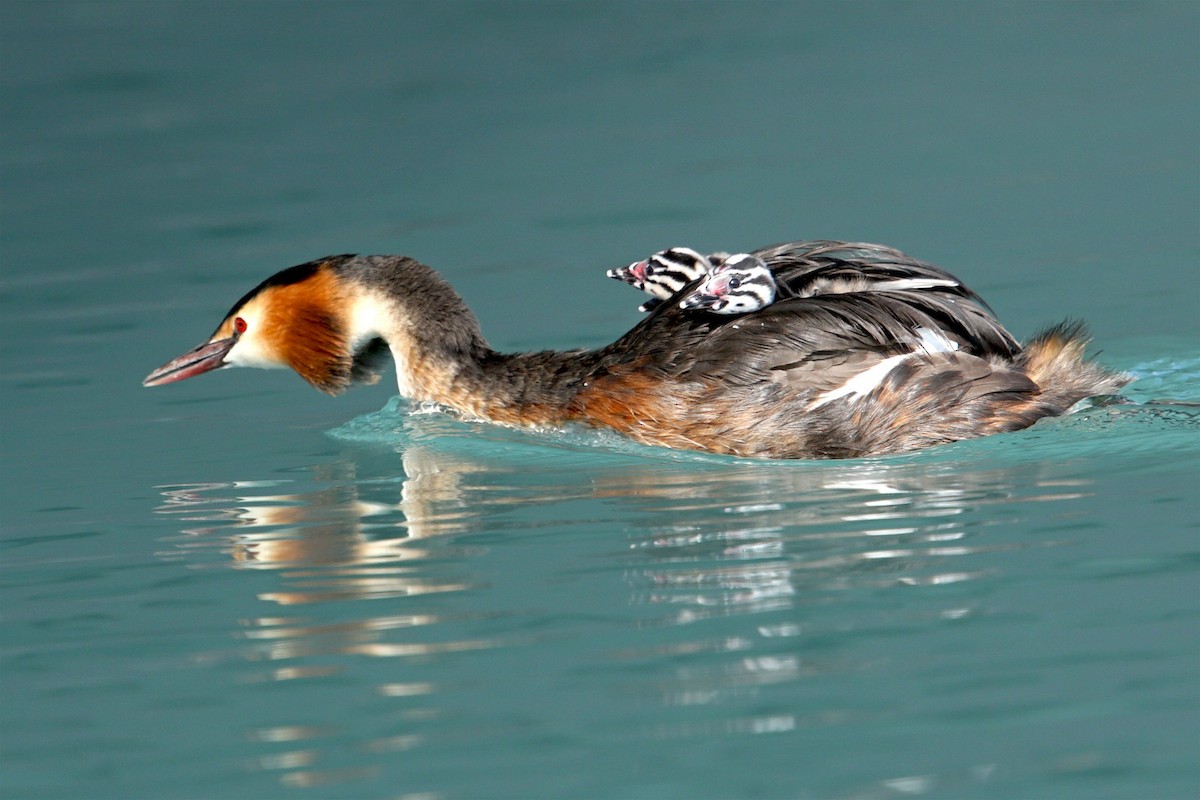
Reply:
x=237 y=587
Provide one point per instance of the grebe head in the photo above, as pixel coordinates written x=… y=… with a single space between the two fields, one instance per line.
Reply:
x=664 y=273
x=742 y=284
x=303 y=318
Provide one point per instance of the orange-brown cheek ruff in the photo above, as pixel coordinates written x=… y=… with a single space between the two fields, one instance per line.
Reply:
x=317 y=349
x=302 y=325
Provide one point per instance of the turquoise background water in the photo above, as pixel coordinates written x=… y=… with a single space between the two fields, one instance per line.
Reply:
x=238 y=587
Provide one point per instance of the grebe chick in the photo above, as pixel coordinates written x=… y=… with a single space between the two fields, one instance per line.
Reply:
x=832 y=375
x=743 y=283
x=798 y=269
x=666 y=272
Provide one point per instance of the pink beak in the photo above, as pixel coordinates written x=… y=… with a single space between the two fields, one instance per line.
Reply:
x=205 y=358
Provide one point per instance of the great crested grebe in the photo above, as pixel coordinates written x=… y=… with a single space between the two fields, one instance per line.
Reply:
x=666 y=272
x=839 y=368
x=743 y=283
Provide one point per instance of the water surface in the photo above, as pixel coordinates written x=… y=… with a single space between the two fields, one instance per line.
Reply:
x=237 y=587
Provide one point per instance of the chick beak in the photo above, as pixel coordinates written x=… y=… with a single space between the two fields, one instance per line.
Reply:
x=697 y=300
x=205 y=358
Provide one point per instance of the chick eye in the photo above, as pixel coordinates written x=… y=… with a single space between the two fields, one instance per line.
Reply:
x=648 y=271
x=735 y=283
x=239 y=325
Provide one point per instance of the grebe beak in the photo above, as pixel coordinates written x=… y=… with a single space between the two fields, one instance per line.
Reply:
x=205 y=358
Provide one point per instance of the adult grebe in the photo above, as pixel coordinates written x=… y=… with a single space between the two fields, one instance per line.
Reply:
x=845 y=370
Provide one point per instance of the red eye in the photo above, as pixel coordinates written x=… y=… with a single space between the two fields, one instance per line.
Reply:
x=239 y=325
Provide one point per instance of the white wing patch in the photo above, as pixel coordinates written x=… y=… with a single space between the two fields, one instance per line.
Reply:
x=935 y=341
x=901 y=284
x=865 y=382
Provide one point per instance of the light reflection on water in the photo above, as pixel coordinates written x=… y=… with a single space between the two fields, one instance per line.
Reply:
x=841 y=532
x=746 y=571
x=871 y=526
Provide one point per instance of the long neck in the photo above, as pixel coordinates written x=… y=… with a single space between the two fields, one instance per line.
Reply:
x=442 y=357
x=521 y=388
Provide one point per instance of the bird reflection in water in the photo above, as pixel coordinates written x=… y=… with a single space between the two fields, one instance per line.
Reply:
x=331 y=542
x=740 y=574
x=771 y=578
x=361 y=548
